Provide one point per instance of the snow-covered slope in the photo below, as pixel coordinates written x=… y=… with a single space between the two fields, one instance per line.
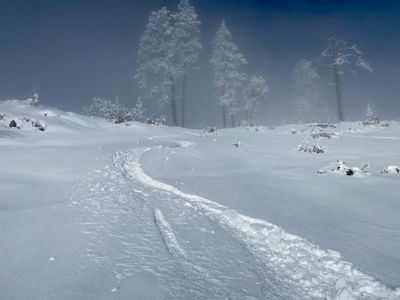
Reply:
x=91 y=210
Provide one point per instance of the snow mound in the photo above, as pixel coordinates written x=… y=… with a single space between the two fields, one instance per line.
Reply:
x=391 y=170
x=17 y=114
x=22 y=123
x=341 y=168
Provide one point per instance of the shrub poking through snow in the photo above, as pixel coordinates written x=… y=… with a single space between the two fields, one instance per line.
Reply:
x=315 y=148
x=322 y=134
x=257 y=128
x=209 y=131
x=340 y=167
x=236 y=143
x=391 y=170
x=323 y=125
x=13 y=124
x=41 y=126
x=155 y=121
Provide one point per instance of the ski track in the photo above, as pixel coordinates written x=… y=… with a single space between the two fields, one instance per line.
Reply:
x=205 y=250
x=167 y=234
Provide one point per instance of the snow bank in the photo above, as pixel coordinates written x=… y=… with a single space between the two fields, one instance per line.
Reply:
x=20 y=115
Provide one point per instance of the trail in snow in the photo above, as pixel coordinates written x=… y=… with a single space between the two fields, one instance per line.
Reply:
x=133 y=229
x=292 y=263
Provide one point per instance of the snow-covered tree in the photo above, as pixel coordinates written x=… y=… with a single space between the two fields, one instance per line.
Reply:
x=309 y=107
x=255 y=92
x=157 y=60
x=33 y=99
x=371 y=117
x=187 y=44
x=370 y=113
x=103 y=108
x=228 y=78
x=336 y=58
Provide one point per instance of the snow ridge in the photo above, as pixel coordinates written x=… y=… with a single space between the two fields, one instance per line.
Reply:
x=167 y=234
x=311 y=272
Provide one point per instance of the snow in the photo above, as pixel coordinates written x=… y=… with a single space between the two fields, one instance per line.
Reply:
x=93 y=210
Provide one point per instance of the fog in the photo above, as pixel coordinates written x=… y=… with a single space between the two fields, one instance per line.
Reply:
x=72 y=51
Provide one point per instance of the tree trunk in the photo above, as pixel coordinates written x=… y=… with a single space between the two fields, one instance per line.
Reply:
x=338 y=94
x=233 y=120
x=173 y=104
x=224 y=116
x=183 y=100
x=336 y=75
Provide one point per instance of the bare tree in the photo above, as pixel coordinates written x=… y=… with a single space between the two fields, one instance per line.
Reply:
x=255 y=92
x=336 y=58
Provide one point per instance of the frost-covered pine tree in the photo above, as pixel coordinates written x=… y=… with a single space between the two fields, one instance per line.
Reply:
x=103 y=108
x=157 y=61
x=336 y=58
x=371 y=117
x=370 y=113
x=255 y=92
x=228 y=78
x=187 y=43
x=309 y=107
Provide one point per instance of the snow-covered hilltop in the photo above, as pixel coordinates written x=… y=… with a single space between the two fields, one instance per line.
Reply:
x=94 y=210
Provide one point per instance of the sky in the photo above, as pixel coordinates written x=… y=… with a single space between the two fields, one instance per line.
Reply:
x=72 y=51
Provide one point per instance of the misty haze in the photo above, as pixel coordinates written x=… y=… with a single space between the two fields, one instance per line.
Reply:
x=198 y=149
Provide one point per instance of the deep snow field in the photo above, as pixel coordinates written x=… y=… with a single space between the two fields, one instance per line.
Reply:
x=93 y=210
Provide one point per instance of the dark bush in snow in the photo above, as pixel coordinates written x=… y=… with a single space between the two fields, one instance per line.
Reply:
x=371 y=121
x=236 y=144
x=13 y=124
x=155 y=121
x=35 y=124
x=209 y=131
x=39 y=125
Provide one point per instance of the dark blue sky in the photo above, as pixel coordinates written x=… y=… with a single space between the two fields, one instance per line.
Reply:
x=75 y=50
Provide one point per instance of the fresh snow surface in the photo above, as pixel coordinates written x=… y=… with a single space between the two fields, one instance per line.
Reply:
x=92 y=210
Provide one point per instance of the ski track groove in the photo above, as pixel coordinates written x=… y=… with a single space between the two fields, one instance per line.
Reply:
x=252 y=259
